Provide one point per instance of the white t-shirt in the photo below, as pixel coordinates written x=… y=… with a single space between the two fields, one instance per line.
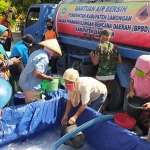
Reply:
x=90 y=89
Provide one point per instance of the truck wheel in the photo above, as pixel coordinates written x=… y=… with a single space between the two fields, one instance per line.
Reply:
x=116 y=98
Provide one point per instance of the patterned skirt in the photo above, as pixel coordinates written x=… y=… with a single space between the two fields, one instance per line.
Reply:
x=144 y=120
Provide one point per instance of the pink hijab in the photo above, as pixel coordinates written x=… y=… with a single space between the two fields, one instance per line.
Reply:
x=49 y=51
x=143 y=63
x=142 y=84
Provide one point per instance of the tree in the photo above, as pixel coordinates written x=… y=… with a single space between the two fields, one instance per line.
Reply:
x=23 y=6
x=3 y=6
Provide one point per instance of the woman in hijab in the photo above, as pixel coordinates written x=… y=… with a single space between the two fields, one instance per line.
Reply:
x=140 y=86
x=36 y=69
x=3 y=36
x=87 y=90
x=5 y=62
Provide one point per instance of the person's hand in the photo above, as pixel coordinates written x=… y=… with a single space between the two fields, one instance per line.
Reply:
x=72 y=120
x=16 y=60
x=130 y=94
x=91 y=53
x=50 y=78
x=64 y=120
x=146 y=106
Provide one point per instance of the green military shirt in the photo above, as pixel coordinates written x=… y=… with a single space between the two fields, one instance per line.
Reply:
x=108 y=55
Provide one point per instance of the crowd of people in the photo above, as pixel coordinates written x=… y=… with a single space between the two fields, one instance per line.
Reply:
x=80 y=90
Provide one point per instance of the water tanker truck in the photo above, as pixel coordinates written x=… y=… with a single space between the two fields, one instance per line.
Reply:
x=78 y=24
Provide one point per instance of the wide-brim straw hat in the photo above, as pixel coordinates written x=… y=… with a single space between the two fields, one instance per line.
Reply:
x=52 y=44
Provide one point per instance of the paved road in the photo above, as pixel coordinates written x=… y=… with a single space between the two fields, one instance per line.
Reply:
x=17 y=38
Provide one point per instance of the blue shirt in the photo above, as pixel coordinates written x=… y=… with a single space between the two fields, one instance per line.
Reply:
x=20 y=49
x=39 y=61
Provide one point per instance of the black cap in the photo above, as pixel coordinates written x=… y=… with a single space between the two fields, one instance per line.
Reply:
x=49 y=20
x=28 y=38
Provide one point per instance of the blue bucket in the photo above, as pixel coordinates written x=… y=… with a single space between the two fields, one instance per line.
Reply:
x=5 y=92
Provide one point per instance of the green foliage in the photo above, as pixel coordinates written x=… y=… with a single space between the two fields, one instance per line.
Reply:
x=3 y=6
x=12 y=23
x=22 y=6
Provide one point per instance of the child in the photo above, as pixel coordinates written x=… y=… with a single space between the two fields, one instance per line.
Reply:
x=140 y=86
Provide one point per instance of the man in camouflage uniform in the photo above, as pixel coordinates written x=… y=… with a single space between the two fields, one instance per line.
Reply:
x=106 y=56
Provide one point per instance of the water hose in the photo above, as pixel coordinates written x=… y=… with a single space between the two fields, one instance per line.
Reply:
x=80 y=128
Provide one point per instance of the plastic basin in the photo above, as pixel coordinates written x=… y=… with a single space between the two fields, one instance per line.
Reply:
x=124 y=120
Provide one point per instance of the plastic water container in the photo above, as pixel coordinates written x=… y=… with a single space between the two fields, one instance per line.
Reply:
x=53 y=85
x=50 y=86
x=19 y=98
x=76 y=141
x=134 y=107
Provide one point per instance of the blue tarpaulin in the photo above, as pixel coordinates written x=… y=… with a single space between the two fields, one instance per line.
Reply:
x=24 y=121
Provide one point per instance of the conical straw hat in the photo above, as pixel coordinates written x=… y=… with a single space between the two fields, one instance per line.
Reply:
x=52 y=44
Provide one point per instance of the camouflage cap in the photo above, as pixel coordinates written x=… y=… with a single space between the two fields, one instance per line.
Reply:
x=106 y=33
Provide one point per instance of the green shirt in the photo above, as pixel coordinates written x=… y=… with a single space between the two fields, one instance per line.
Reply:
x=108 y=55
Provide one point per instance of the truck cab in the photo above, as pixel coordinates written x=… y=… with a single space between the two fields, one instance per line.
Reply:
x=36 y=20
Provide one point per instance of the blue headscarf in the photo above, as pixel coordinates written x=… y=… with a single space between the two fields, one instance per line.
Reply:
x=2 y=29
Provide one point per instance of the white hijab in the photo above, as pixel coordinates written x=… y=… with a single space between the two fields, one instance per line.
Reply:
x=73 y=76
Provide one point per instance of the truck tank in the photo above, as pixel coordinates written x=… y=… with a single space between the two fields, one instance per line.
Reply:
x=128 y=20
